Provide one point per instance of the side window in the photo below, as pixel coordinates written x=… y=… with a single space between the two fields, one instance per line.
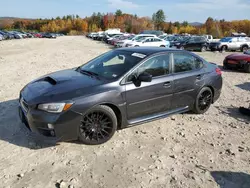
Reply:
x=186 y=62
x=156 y=66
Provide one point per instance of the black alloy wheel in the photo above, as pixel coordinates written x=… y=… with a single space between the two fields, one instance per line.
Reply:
x=98 y=125
x=203 y=101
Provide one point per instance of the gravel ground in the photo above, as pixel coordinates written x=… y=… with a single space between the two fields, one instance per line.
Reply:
x=210 y=150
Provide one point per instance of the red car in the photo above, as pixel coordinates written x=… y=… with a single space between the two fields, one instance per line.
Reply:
x=238 y=61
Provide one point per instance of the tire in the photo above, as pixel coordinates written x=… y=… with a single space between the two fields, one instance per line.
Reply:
x=223 y=48
x=244 y=48
x=247 y=68
x=98 y=125
x=203 y=100
x=203 y=48
x=137 y=46
x=162 y=46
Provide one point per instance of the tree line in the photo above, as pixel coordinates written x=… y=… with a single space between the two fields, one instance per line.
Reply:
x=74 y=24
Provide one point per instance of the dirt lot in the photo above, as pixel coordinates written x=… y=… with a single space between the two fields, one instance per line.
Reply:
x=211 y=150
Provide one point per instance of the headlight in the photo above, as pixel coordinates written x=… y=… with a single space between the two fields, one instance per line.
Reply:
x=54 y=107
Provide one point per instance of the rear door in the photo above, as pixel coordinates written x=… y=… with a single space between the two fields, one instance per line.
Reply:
x=188 y=78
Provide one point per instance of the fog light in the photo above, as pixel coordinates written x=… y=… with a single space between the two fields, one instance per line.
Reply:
x=50 y=126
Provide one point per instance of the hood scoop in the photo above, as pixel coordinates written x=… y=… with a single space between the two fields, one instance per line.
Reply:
x=50 y=80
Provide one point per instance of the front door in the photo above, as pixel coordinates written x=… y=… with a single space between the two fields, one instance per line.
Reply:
x=150 y=97
x=188 y=78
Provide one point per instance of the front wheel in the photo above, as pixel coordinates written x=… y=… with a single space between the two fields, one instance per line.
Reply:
x=137 y=46
x=247 y=68
x=98 y=125
x=162 y=46
x=203 y=100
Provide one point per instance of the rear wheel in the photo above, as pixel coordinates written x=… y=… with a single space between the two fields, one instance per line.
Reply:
x=223 y=48
x=137 y=46
x=98 y=125
x=247 y=67
x=203 y=48
x=244 y=48
x=162 y=46
x=203 y=100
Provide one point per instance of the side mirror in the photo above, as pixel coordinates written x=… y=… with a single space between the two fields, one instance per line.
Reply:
x=145 y=77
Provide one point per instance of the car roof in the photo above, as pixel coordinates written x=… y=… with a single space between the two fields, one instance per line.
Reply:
x=147 y=50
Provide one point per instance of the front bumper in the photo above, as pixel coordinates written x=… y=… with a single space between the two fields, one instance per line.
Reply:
x=63 y=126
x=214 y=47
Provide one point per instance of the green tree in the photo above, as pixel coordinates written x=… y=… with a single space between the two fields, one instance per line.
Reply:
x=177 y=24
x=159 y=19
x=118 y=13
x=185 y=24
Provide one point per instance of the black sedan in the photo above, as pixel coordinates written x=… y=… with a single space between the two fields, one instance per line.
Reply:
x=118 y=89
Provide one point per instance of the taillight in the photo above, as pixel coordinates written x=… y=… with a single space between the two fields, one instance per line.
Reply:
x=218 y=71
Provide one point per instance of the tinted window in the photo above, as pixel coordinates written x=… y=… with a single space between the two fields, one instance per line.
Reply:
x=156 y=66
x=157 y=40
x=186 y=62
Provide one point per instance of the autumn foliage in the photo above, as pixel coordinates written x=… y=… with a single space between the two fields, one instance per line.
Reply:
x=72 y=24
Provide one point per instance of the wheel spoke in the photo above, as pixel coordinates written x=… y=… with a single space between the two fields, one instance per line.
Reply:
x=96 y=126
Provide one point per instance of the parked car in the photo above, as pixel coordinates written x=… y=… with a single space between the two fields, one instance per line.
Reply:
x=231 y=44
x=193 y=43
x=1 y=37
x=124 y=43
x=149 y=42
x=48 y=35
x=238 y=61
x=16 y=34
x=119 y=89
x=6 y=35
x=109 y=37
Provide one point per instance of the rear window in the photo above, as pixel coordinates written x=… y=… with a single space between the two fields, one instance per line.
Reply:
x=184 y=62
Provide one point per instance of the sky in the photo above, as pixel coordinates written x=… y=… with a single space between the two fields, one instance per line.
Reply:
x=177 y=10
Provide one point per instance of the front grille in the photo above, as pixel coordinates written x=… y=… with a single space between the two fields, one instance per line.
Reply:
x=24 y=105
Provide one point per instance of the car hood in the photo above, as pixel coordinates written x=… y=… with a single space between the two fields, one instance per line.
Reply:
x=59 y=86
x=239 y=57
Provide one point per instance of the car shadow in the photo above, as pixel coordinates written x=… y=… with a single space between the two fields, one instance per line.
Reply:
x=244 y=86
x=231 y=179
x=13 y=131
x=234 y=112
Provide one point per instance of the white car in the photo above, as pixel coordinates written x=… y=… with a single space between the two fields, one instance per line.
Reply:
x=124 y=43
x=149 y=42
x=1 y=37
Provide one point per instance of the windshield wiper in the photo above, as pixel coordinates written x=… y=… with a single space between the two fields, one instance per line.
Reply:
x=90 y=73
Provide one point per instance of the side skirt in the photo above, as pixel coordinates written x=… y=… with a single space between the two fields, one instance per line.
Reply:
x=153 y=117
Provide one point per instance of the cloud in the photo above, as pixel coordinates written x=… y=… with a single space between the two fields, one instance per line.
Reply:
x=122 y=4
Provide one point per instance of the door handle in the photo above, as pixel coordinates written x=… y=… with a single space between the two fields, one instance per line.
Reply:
x=167 y=84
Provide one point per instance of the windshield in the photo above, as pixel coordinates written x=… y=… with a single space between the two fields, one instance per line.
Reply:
x=225 y=39
x=130 y=38
x=112 y=65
